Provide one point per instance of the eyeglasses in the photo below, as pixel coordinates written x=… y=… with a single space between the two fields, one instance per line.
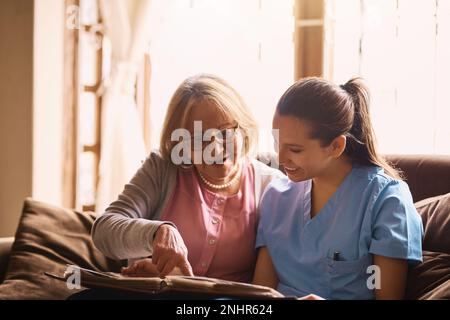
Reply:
x=201 y=141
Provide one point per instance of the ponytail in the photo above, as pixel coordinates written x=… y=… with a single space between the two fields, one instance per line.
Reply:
x=361 y=142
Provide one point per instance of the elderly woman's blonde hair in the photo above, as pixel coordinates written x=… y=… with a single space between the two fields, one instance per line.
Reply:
x=212 y=88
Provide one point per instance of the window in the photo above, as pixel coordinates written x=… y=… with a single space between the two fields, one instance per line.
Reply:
x=248 y=43
x=89 y=109
x=402 y=49
x=85 y=67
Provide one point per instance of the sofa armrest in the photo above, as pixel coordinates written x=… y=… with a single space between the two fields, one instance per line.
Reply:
x=5 y=248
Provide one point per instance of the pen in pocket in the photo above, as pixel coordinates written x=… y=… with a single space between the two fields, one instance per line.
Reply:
x=336 y=256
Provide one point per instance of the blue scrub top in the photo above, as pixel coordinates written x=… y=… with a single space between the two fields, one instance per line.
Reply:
x=370 y=213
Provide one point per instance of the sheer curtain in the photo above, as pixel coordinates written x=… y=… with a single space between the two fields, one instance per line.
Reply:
x=122 y=144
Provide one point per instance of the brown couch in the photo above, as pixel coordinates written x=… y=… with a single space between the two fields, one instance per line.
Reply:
x=427 y=176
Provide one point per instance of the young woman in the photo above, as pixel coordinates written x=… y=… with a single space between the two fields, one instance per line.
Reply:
x=342 y=225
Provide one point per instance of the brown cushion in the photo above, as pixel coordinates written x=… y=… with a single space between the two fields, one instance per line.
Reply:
x=431 y=278
x=47 y=239
x=435 y=213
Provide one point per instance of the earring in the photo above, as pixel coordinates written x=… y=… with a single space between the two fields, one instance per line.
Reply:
x=186 y=166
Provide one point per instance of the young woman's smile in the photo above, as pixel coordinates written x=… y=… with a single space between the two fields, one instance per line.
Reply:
x=300 y=156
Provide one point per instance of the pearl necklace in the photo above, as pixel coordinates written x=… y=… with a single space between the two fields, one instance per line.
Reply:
x=221 y=186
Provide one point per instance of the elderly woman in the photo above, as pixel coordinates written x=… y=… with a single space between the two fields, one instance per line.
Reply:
x=193 y=208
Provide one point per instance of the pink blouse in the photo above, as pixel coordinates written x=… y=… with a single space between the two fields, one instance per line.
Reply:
x=219 y=231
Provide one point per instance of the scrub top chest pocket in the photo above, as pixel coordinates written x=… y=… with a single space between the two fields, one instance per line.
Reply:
x=347 y=277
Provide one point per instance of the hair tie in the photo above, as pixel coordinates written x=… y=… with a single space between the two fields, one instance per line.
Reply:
x=346 y=88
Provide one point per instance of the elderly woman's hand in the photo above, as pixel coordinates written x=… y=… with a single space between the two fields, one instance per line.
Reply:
x=169 y=251
x=145 y=268
x=311 y=297
x=141 y=268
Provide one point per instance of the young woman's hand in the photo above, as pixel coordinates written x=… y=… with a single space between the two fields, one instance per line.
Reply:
x=169 y=251
x=141 y=268
x=311 y=297
x=145 y=268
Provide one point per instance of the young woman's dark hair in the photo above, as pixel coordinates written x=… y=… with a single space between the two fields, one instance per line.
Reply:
x=334 y=110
